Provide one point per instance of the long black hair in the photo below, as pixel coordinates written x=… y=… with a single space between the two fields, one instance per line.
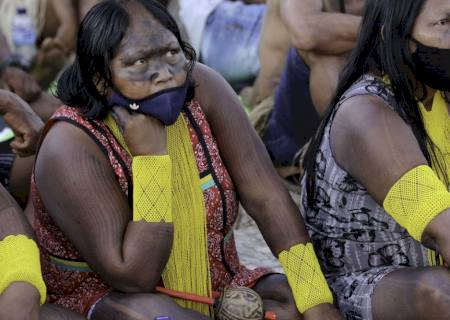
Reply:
x=99 y=36
x=382 y=47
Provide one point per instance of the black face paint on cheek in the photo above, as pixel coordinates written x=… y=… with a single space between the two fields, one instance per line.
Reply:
x=154 y=67
x=179 y=66
x=137 y=76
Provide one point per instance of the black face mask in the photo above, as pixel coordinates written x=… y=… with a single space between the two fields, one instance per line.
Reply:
x=432 y=66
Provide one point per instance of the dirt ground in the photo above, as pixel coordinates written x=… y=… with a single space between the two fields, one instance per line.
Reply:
x=253 y=250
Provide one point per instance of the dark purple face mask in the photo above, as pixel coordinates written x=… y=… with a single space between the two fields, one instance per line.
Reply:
x=164 y=105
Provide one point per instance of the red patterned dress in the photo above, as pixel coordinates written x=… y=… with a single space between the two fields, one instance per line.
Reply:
x=75 y=287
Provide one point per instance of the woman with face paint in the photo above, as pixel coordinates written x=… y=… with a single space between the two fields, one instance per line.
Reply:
x=137 y=180
x=376 y=192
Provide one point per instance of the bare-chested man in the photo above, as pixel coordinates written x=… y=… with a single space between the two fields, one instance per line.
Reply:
x=273 y=49
x=322 y=33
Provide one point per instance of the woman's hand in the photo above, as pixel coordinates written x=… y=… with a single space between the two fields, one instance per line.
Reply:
x=324 y=311
x=21 y=83
x=436 y=235
x=144 y=135
x=20 y=301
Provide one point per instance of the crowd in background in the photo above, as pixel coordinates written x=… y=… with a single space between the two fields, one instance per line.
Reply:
x=345 y=100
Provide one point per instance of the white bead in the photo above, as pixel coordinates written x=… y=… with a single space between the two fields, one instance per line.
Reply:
x=134 y=106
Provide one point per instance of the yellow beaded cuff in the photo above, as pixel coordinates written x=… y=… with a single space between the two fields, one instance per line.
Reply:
x=152 y=188
x=20 y=262
x=416 y=198
x=305 y=277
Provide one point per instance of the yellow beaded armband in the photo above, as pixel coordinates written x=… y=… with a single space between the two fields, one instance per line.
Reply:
x=152 y=188
x=20 y=262
x=305 y=277
x=416 y=198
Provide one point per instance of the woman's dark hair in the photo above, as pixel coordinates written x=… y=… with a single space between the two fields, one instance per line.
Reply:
x=99 y=36
x=382 y=47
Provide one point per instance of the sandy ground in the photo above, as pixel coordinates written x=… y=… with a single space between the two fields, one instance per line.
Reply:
x=253 y=250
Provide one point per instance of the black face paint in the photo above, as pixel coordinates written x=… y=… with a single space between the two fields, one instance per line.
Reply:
x=432 y=66
x=164 y=105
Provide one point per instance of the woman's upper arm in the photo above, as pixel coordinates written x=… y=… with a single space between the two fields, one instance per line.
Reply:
x=374 y=144
x=80 y=192
x=242 y=150
x=260 y=189
x=12 y=218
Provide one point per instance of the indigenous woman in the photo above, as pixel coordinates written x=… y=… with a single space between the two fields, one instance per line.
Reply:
x=22 y=289
x=137 y=178
x=376 y=195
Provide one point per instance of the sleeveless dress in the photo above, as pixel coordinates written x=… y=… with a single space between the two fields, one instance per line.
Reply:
x=72 y=285
x=356 y=240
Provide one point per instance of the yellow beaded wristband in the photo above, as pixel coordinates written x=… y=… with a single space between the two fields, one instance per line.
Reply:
x=152 y=188
x=20 y=262
x=305 y=277
x=416 y=198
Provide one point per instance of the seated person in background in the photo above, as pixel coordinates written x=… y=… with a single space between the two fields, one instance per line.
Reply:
x=322 y=34
x=136 y=182
x=376 y=194
x=173 y=7
x=56 y=42
x=15 y=173
x=55 y=24
x=274 y=45
x=18 y=79
x=20 y=134
x=225 y=35
x=22 y=288
x=13 y=77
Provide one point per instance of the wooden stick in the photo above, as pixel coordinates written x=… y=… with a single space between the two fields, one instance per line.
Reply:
x=186 y=296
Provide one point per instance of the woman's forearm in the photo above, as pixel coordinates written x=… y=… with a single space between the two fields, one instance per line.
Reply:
x=436 y=235
x=278 y=219
x=151 y=227
x=137 y=265
x=283 y=229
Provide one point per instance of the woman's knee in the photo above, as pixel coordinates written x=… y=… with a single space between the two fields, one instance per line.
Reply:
x=413 y=293
x=277 y=296
x=433 y=289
